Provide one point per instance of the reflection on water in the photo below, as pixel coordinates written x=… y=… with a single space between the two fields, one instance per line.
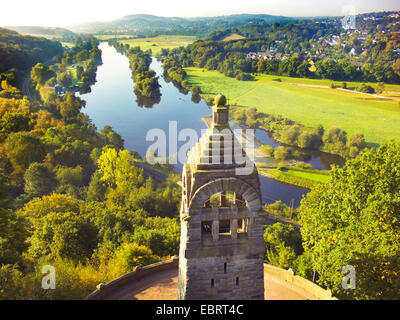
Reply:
x=318 y=159
x=273 y=190
x=113 y=102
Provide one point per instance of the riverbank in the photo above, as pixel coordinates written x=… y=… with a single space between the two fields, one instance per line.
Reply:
x=304 y=178
x=378 y=119
x=122 y=112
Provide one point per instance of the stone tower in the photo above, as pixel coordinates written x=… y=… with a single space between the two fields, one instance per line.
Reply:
x=222 y=245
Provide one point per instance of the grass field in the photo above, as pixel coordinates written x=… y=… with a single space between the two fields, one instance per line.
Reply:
x=300 y=177
x=160 y=42
x=113 y=36
x=232 y=36
x=67 y=44
x=378 y=118
x=313 y=175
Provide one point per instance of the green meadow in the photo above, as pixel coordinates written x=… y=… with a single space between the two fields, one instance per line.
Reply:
x=377 y=117
x=159 y=42
x=313 y=175
x=300 y=177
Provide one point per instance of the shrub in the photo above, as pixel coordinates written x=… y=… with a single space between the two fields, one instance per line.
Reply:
x=291 y=134
x=366 y=89
x=39 y=180
x=244 y=76
x=282 y=153
x=282 y=243
x=268 y=150
x=380 y=87
x=309 y=140
x=130 y=255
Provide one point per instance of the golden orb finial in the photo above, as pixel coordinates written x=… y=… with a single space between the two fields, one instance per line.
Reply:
x=220 y=100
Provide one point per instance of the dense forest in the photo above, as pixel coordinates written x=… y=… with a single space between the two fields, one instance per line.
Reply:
x=65 y=197
x=145 y=25
x=20 y=52
x=73 y=197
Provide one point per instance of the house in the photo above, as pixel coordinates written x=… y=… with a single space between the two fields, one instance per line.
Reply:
x=59 y=89
x=312 y=67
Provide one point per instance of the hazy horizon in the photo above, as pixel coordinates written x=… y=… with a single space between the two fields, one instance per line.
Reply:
x=45 y=13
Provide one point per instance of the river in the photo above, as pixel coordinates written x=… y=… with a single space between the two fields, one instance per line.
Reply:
x=112 y=101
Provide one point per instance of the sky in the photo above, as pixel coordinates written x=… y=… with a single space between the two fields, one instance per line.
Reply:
x=64 y=13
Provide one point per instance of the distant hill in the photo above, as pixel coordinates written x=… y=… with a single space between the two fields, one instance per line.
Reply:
x=153 y=25
x=46 y=32
x=23 y=51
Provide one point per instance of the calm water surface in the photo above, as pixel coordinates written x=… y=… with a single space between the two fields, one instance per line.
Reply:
x=112 y=101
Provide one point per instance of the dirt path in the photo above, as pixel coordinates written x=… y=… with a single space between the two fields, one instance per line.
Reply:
x=346 y=90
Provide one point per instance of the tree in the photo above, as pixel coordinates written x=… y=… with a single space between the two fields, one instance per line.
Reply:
x=161 y=241
x=13 y=122
x=97 y=188
x=130 y=255
x=57 y=203
x=282 y=243
x=290 y=134
x=380 y=87
x=285 y=153
x=111 y=138
x=82 y=55
x=196 y=90
x=10 y=282
x=356 y=144
x=354 y=220
x=70 y=176
x=39 y=180
x=22 y=149
x=366 y=88
x=41 y=73
x=118 y=169
x=70 y=106
x=70 y=180
x=63 y=235
x=303 y=70
x=335 y=141
x=309 y=140
x=13 y=235
x=65 y=78
x=79 y=72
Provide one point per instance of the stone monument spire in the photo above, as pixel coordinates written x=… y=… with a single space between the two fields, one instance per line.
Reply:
x=222 y=246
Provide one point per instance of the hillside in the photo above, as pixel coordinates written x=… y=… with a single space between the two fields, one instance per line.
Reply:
x=46 y=32
x=23 y=51
x=151 y=25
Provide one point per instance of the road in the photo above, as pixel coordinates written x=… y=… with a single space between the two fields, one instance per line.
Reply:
x=27 y=82
x=150 y=172
x=25 y=88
